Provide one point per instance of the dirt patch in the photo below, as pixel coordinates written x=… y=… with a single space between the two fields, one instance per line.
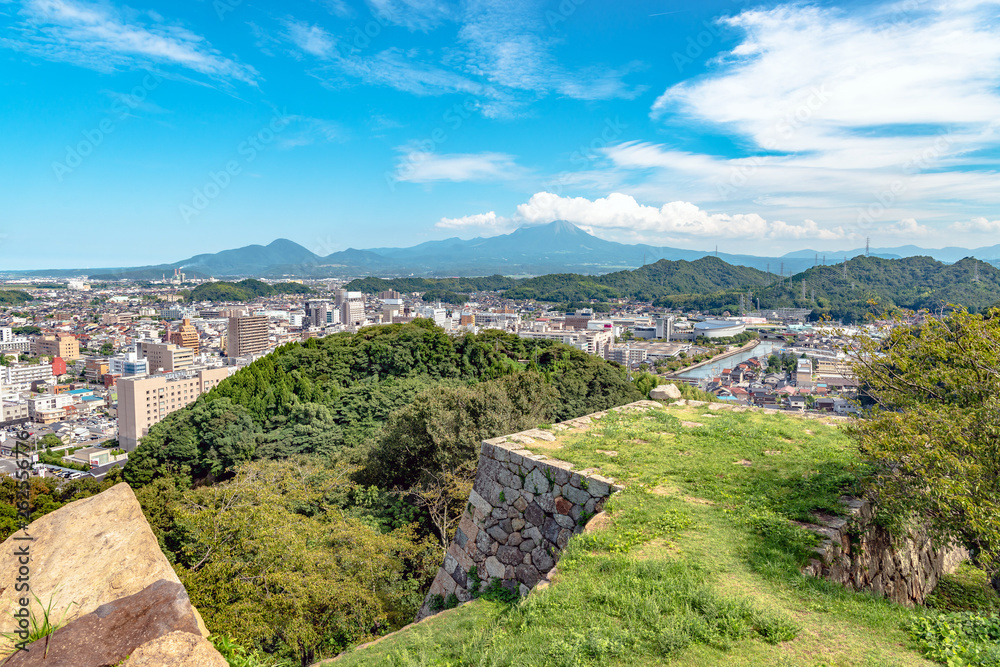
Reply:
x=607 y=452
x=743 y=462
x=691 y=424
x=771 y=452
x=598 y=522
x=639 y=441
x=685 y=453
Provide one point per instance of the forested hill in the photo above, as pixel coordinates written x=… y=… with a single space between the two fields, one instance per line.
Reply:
x=336 y=470
x=244 y=290
x=707 y=274
x=865 y=284
x=842 y=291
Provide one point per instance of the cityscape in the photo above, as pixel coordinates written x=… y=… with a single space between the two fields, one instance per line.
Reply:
x=496 y=333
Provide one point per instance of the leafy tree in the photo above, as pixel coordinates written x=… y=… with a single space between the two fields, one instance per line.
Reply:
x=107 y=349
x=289 y=580
x=933 y=435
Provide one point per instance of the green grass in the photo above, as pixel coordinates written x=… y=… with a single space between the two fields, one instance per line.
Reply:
x=700 y=565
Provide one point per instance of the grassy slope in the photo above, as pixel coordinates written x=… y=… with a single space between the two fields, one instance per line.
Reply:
x=700 y=564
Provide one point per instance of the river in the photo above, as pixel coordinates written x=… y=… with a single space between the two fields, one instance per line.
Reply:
x=763 y=348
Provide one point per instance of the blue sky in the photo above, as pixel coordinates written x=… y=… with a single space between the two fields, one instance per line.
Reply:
x=147 y=132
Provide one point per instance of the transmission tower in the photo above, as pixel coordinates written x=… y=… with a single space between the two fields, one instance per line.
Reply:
x=867 y=245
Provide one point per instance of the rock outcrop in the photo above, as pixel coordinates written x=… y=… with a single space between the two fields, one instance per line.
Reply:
x=110 y=633
x=176 y=649
x=96 y=568
x=860 y=554
x=665 y=392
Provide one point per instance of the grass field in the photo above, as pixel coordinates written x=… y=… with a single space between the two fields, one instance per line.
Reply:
x=699 y=564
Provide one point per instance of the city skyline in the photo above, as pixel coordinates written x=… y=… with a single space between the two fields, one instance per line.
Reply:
x=154 y=132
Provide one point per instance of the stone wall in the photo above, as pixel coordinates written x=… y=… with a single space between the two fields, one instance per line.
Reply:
x=522 y=510
x=862 y=555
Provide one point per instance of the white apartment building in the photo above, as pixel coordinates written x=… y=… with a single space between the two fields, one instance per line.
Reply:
x=18 y=377
x=143 y=402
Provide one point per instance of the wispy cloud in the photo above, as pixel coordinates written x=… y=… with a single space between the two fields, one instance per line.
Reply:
x=423 y=15
x=485 y=223
x=503 y=53
x=311 y=39
x=98 y=37
x=423 y=167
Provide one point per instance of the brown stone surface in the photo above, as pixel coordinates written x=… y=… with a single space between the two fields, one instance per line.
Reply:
x=83 y=555
x=563 y=506
x=177 y=649
x=110 y=633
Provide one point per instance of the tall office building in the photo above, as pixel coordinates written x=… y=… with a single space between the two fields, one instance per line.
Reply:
x=316 y=313
x=144 y=401
x=352 y=309
x=247 y=335
x=186 y=336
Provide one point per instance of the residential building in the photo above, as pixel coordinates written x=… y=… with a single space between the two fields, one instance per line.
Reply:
x=247 y=335
x=145 y=401
x=626 y=355
x=96 y=368
x=19 y=377
x=186 y=336
x=803 y=373
x=61 y=345
x=14 y=412
x=165 y=357
x=47 y=408
x=11 y=343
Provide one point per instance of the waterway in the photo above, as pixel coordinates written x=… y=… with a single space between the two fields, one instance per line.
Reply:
x=763 y=348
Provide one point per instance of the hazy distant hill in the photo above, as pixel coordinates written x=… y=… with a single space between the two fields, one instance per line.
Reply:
x=557 y=247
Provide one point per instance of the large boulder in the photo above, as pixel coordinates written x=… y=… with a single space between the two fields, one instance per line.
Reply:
x=86 y=554
x=110 y=633
x=665 y=392
x=177 y=649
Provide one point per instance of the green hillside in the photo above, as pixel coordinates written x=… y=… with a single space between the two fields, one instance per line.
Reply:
x=699 y=565
x=244 y=290
x=336 y=466
x=711 y=285
x=14 y=297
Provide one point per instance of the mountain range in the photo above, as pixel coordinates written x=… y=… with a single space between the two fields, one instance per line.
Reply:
x=552 y=248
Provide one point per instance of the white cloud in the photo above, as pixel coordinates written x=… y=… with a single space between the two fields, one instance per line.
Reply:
x=93 y=36
x=489 y=223
x=424 y=167
x=619 y=211
x=842 y=111
x=978 y=225
x=310 y=38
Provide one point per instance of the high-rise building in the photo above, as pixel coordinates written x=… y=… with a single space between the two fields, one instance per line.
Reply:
x=145 y=401
x=316 y=313
x=62 y=345
x=247 y=335
x=165 y=357
x=186 y=336
x=352 y=309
